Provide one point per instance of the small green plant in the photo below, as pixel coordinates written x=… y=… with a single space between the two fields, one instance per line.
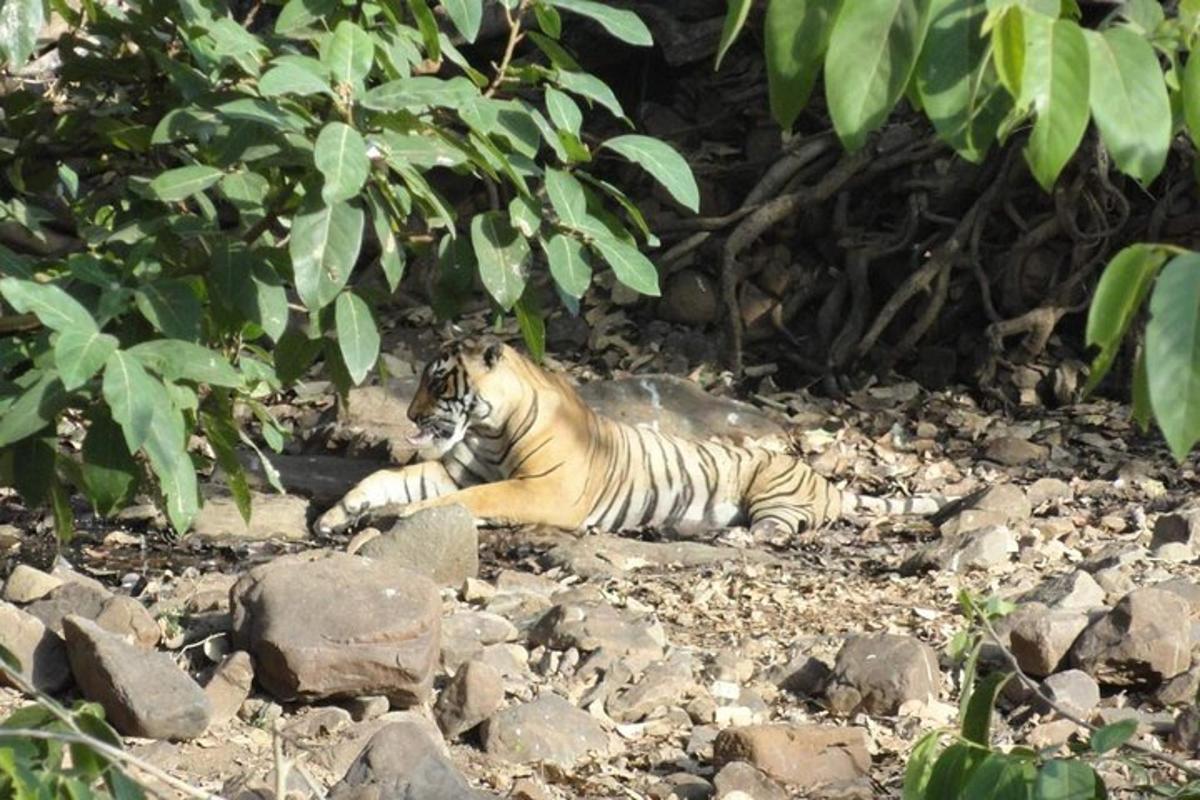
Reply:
x=48 y=751
x=964 y=764
x=206 y=206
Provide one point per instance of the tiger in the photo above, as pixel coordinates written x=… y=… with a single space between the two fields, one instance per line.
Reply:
x=516 y=445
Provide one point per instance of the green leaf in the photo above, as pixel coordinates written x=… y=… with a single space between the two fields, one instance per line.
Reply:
x=20 y=23
x=1062 y=779
x=567 y=198
x=166 y=451
x=391 y=254
x=176 y=359
x=525 y=216
x=245 y=189
x=1112 y=736
x=631 y=267
x=872 y=51
x=420 y=93
x=466 y=16
x=548 y=19
x=952 y=770
x=1055 y=83
x=55 y=308
x=420 y=150
x=563 y=110
x=183 y=182
x=340 y=155
x=79 y=354
x=568 y=264
x=663 y=163
x=621 y=23
x=1191 y=97
x=920 y=766
x=977 y=721
x=110 y=473
x=1001 y=777
x=503 y=256
x=591 y=89
x=129 y=391
x=1173 y=353
x=299 y=14
x=1129 y=101
x=171 y=307
x=1008 y=49
x=358 y=338
x=291 y=79
x=533 y=328
x=1119 y=294
x=324 y=246
x=957 y=83
x=37 y=407
x=427 y=24
x=221 y=431
x=795 y=39
x=350 y=54
x=736 y=12
x=1142 y=412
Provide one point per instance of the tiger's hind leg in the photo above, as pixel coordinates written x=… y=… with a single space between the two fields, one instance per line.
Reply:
x=787 y=497
x=387 y=488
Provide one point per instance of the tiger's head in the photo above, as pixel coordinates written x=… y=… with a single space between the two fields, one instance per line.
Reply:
x=454 y=393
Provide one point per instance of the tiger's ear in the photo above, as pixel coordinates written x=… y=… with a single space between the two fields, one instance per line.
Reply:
x=492 y=353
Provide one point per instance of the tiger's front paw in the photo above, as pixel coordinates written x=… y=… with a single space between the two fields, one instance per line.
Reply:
x=341 y=517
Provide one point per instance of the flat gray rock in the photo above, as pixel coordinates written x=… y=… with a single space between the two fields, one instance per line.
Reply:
x=1142 y=642
x=880 y=672
x=441 y=543
x=143 y=692
x=39 y=650
x=324 y=624
x=546 y=729
x=605 y=555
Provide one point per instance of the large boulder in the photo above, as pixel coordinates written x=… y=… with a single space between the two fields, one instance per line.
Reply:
x=1143 y=641
x=143 y=692
x=546 y=729
x=325 y=624
x=802 y=755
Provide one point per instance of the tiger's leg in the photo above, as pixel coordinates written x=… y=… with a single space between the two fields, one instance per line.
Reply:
x=388 y=488
x=787 y=497
x=517 y=502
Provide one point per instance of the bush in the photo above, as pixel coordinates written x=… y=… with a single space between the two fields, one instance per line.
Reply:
x=185 y=176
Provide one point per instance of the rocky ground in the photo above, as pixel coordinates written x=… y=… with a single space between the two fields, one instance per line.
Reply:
x=443 y=661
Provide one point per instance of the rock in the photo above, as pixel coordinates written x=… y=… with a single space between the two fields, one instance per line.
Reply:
x=529 y=789
x=1074 y=690
x=689 y=297
x=337 y=758
x=1179 y=527
x=368 y=707
x=229 y=686
x=680 y=407
x=682 y=786
x=38 y=649
x=321 y=478
x=1041 y=638
x=592 y=626
x=1115 y=581
x=442 y=543
x=607 y=555
x=1139 y=643
x=1052 y=734
x=803 y=676
x=128 y=618
x=27 y=584
x=1174 y=553
x=316 y=722
x=801 y=755
x=1012 y=451
x=374 y=415
x=511 y=581
x=972 y=519
x=747 y=781
x=402 y=761
x=510 y=660
x=143 y=692
x=1007 y=499
x=1048 y=490
x=978 y=549
x=323 y=624
x=546 y=729
x=1073 y=590
x=1185 y=735
x=666 y=683
x=474 y=694
x=466 y=633
x=1112 y=555
x=80 y=599
x=476 y=591
x=880 y=672
x=276 y=516
x=1181 y=690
